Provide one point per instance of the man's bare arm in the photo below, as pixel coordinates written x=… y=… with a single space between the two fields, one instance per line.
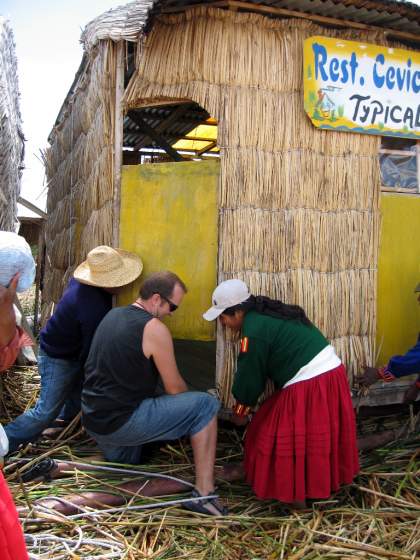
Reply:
x=7 y=313
x=158 y=344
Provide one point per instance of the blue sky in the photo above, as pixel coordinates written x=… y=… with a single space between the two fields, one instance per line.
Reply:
x=47 y=36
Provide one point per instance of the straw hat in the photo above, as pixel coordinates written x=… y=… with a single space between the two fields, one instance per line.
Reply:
x=106 y=267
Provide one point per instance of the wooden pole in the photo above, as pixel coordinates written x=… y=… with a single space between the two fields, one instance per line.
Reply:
x=40 y=261
x=118 y=142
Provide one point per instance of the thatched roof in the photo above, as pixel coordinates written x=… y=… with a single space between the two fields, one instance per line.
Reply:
x=11 y=136
x=126 y=22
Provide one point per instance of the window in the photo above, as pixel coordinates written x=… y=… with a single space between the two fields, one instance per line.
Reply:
x=400 y=165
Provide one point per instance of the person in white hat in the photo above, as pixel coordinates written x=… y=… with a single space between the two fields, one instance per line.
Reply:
x=17 y=273
x=301 y=443
x=66 y=338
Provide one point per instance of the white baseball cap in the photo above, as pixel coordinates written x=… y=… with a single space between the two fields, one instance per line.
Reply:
x=16 y=256
x=227 y=294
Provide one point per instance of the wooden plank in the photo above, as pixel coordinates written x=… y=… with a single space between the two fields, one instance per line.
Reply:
x=399 y=190
x=32 y=207
x=178 y=8
x=166 y=123
x=198 y=138
x=145 y=103
x=40 y=267
x=118 y=142
x=207 y=148
x=147 y=129
x=397 y=152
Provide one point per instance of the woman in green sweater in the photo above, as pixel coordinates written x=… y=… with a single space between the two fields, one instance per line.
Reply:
x=301 y=443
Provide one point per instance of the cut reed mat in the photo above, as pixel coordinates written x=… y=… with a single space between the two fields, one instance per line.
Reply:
x=377 y=517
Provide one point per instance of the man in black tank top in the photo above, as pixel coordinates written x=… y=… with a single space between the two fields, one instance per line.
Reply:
x=131 y=349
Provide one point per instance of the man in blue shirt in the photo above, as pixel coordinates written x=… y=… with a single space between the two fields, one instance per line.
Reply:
x=398 y=366
x=66 y=338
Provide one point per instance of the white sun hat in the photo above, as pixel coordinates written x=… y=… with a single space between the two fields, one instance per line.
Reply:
x=106 y=267
x=227 y=294
x=16 y=256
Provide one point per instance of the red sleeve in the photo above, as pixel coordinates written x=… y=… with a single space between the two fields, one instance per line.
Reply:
x=12 y=544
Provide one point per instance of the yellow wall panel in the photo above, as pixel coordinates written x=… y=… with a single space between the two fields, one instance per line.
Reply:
x=169 y=217
x=398 y=274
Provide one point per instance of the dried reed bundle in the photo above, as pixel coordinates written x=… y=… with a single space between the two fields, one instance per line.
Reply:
x=376 y=517
x=98 y=229
x=269 y=179
x=80 y=172
x=11 y=136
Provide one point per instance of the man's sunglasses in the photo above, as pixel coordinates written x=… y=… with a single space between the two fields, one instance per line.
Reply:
x=172 y=306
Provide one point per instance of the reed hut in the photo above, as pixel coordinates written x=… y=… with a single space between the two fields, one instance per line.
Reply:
x=184 y=137
x=11 y=135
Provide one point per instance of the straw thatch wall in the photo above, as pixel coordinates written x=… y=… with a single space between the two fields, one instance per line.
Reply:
x=11 y=136
x=299 y=216
x=80 y=172
x=80 y=162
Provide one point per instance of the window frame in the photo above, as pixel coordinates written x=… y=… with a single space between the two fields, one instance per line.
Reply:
x=415 y=154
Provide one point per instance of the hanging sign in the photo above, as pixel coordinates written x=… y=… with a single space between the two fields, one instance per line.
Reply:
x=358 y=87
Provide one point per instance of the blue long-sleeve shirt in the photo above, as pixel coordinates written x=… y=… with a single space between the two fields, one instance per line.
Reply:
x=407 y=364
x=69 y=332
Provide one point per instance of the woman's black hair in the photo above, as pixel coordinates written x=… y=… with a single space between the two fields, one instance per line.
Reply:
x=272 y=307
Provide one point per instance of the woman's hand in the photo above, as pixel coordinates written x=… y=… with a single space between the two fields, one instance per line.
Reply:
x=239 y=420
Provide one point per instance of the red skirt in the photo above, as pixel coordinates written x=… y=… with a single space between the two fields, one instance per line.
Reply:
x=302 y=441
x=12 y=544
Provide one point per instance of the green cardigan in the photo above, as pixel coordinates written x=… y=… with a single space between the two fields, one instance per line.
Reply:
x=272 y=349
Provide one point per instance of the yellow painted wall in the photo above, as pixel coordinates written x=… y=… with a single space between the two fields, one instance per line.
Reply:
x=169 y=217
x=398 y=274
